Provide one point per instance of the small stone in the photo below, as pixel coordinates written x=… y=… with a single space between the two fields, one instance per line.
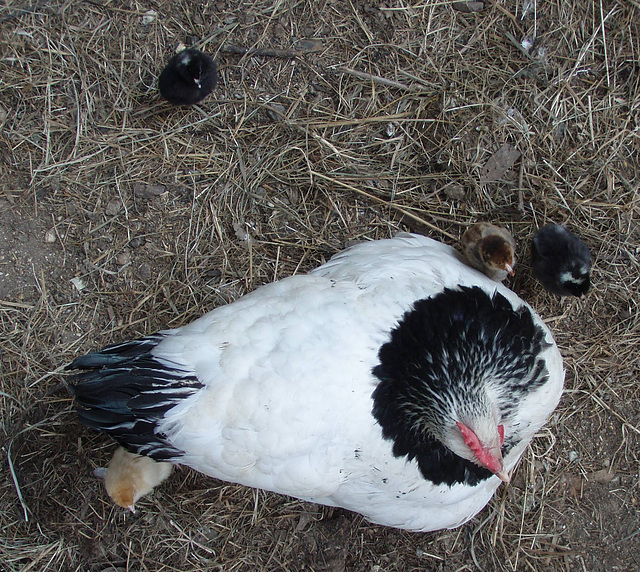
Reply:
x=603 y=476
x=144 y=191
x=309 y=44
x=467 y=6
x=71 y=208
x=137 y=241
x=149 y=17
x=213 y=273
x=144 y=271
x=573 y=456
x=454 y=192
x=54 y=184
x=78 y=283
x=50 y=236
x=305 y=520
x=210 y=533
x=275 y=111
x=280 y=31
x=156 y=190
x=123 y=258
x=241 y=232
x=113 y=207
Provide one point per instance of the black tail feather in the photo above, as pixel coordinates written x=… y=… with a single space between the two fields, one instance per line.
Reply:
x=116 y=353
x=125 y=391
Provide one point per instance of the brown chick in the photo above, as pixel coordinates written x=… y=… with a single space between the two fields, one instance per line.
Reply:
x=129 y=477
x=490 y=249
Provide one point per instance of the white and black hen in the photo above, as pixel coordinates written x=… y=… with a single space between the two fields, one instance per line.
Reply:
x=561 y=261
x=393 y=381
x=188 y=77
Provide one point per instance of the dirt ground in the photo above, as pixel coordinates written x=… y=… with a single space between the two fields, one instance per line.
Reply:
x=121 y=215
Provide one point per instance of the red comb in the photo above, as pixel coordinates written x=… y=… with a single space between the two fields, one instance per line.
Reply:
x=470 y=438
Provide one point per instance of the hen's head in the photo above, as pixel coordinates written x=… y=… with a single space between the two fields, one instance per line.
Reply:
x=482 y=446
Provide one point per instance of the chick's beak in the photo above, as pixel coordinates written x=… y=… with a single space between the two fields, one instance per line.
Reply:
x=509 y=269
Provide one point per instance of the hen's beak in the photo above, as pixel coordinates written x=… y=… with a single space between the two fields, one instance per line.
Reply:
x=504 y=476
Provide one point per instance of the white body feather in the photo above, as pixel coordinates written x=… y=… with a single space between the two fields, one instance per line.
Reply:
x=287 y=373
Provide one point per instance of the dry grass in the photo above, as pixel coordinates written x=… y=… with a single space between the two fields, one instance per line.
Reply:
x=387 y=124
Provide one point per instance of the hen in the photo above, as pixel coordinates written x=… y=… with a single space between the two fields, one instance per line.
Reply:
x=393 y=381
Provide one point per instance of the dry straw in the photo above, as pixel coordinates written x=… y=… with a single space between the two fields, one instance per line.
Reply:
x=356 y=119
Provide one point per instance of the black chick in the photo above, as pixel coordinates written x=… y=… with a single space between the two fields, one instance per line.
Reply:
x=561 y=261
x=188 y=77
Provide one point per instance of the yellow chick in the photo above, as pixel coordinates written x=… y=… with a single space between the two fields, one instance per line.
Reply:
x=129 y=477
x=490 y=249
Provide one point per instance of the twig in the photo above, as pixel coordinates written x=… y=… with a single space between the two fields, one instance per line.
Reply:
x=381 y=80
x=305 y=123
x=624 y=421
x=520 y=191
x=304 y=47
x=9 y=396
x=14 y=477
x=16 y=305
x=269 y=52
x=473 y=537
x=384 y=202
